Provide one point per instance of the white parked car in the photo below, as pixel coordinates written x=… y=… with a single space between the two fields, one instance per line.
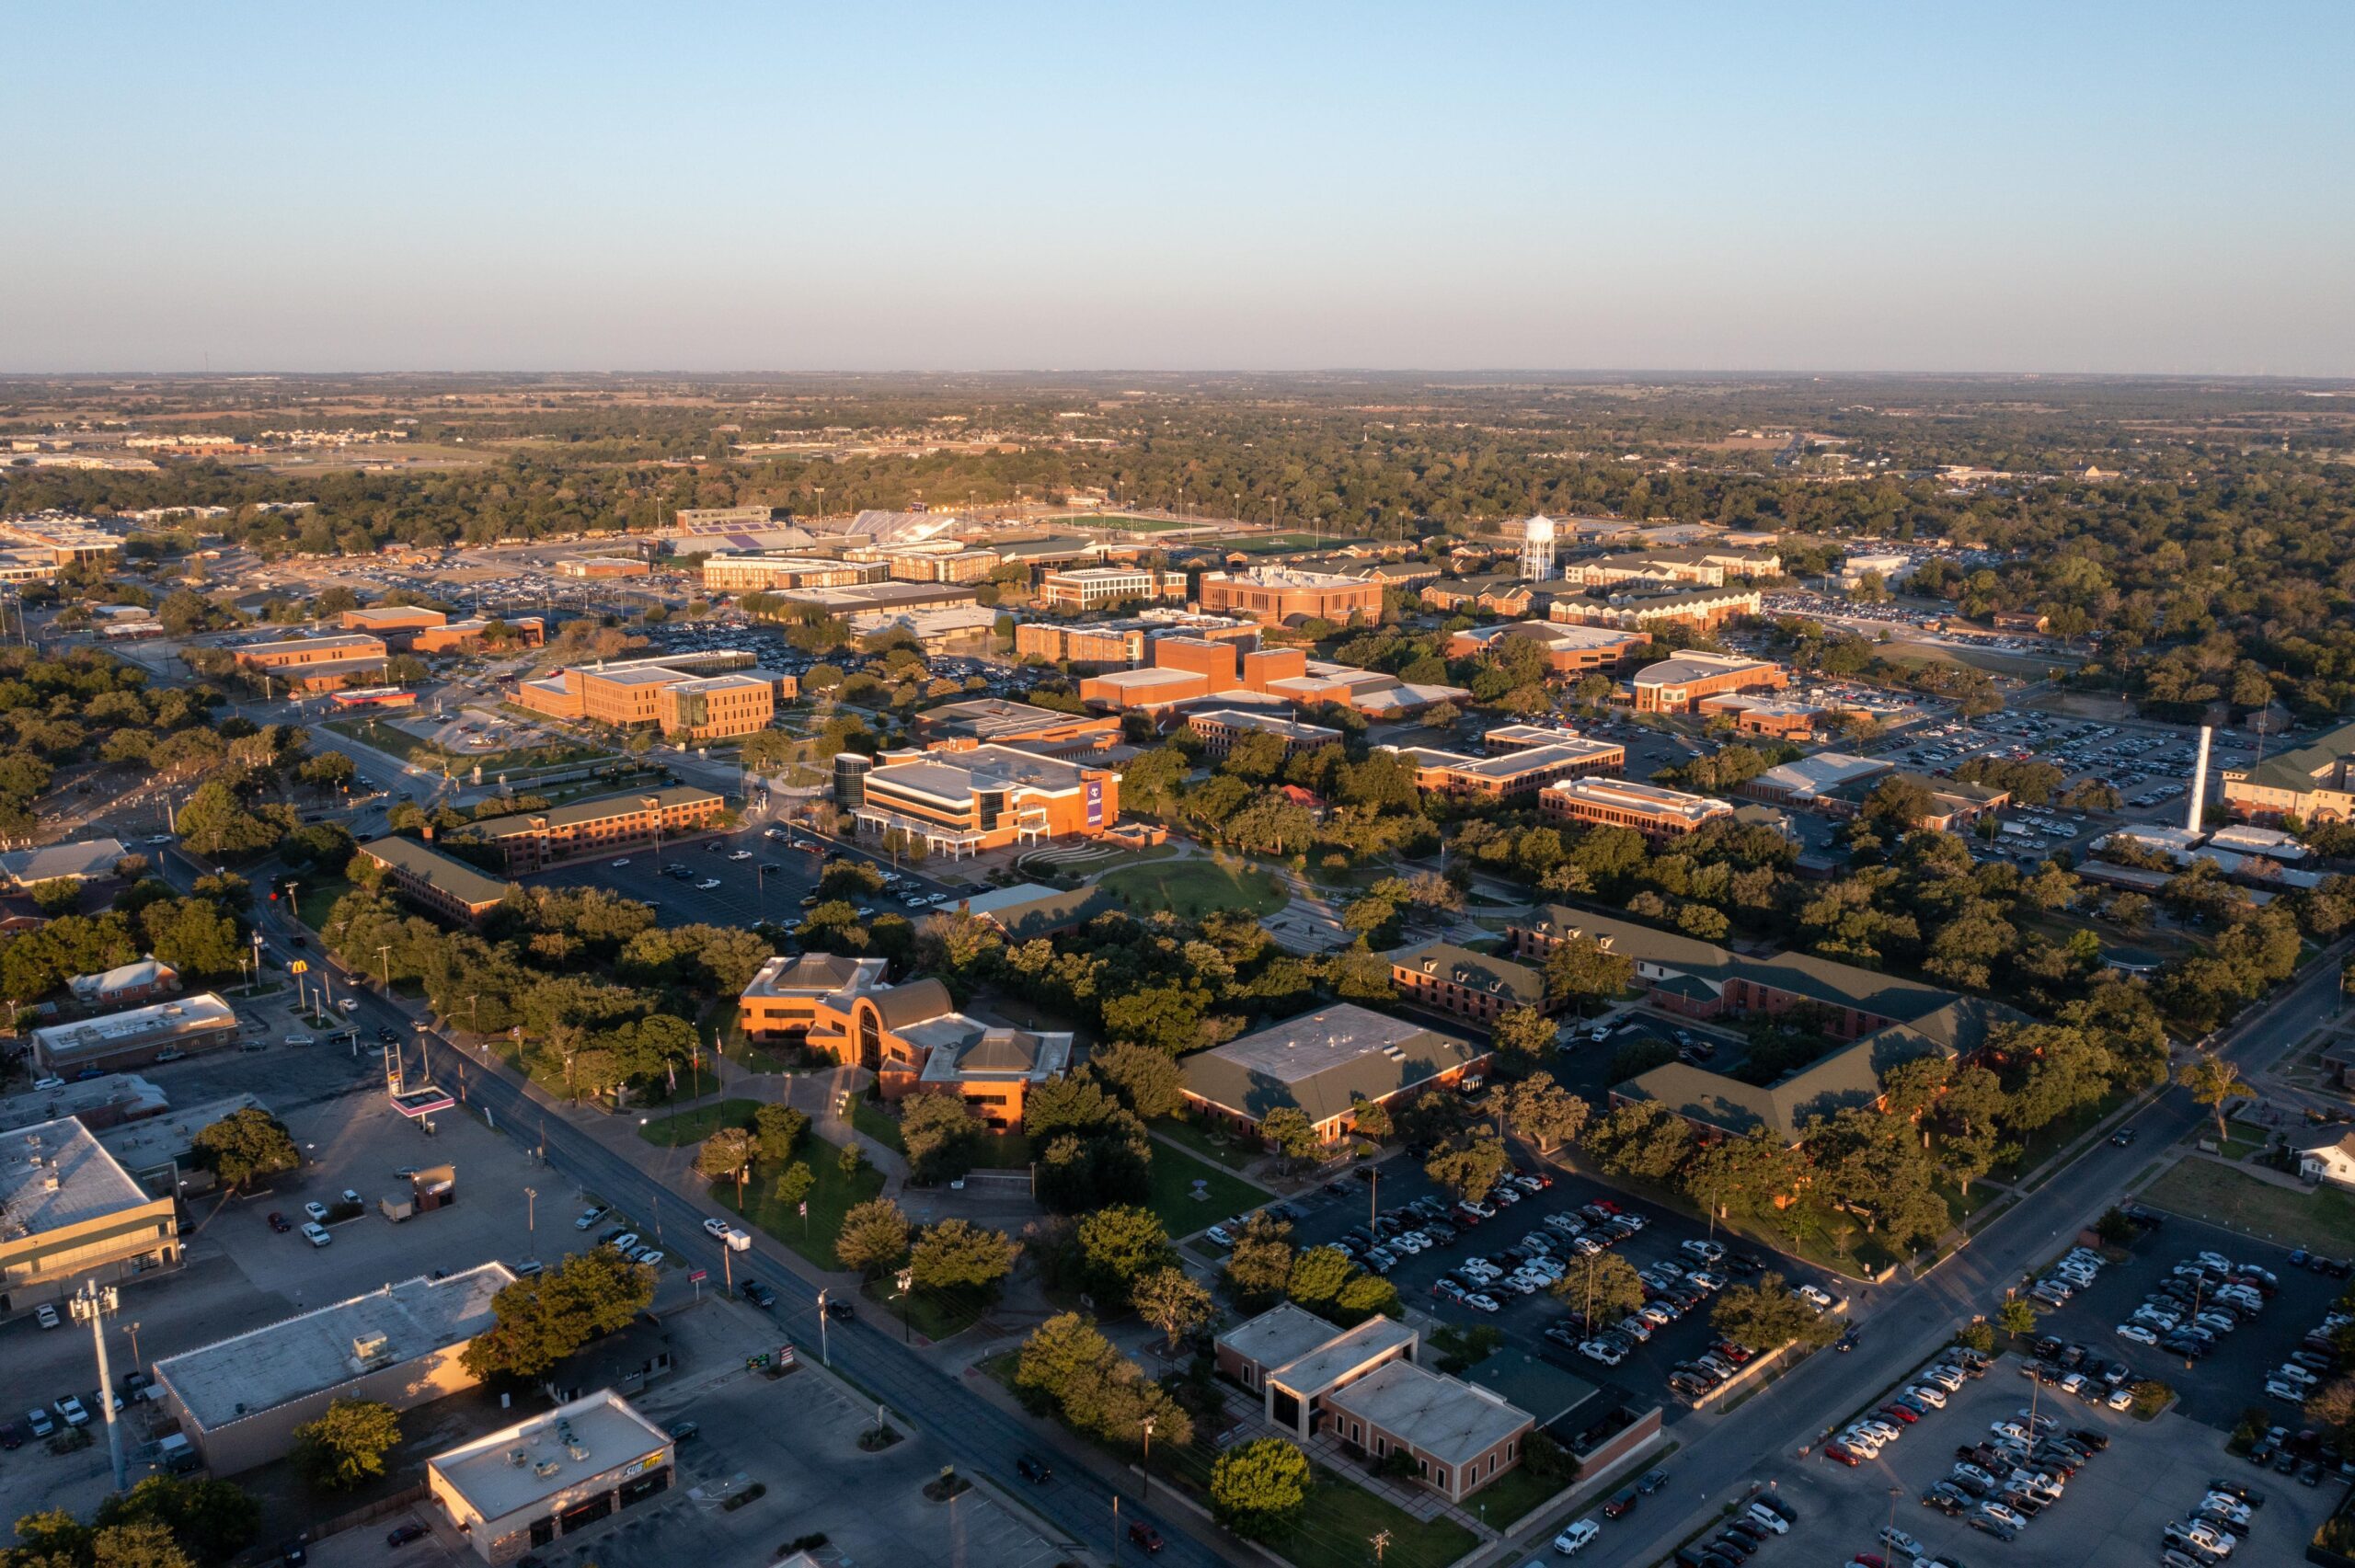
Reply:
x=1575 y=1538
x=316 y=1234
x=1814 y=1296
x=1935 y=1398
x=2137 y=1332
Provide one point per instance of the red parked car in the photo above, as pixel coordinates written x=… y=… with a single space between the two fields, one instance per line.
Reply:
x=1839 y=1453
x=1144 y=1535
x=1900 y=1413
x=278 y=1222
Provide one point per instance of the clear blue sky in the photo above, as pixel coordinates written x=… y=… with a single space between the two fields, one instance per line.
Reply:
x=2051 y=186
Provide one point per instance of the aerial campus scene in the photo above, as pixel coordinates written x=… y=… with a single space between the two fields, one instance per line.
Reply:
x=1036 y=715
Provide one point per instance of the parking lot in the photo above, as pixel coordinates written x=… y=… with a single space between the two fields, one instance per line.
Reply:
x=2110 y=1514
x=2215 y=1388
x=239 y=1271
x=672 y=880
x=1522 y=1319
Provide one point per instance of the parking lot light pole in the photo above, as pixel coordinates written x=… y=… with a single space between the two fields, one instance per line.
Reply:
x=1145 y=1493
x=531 y=1210
x=825 y=1355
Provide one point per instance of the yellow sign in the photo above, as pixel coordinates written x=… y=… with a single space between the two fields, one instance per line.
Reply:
x=299 y=966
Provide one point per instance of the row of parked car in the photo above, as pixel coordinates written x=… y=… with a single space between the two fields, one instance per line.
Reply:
x=2075 y=1369
x=2023 y=1466
x=2218 y=1525
x=1764 y=1517
x=1542 y=1258
x=632 y=1246
x=2202 y=1299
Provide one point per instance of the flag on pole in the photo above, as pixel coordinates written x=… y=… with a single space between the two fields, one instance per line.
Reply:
x=670 y=1071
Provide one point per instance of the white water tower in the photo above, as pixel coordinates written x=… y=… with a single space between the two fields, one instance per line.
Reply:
x=1537 y=548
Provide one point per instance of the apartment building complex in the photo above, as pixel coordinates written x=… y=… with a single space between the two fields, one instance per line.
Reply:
x=1475 y=987
x=1677 y=684
x=2311 y=782
x=608 y=824
x=1880 y=1020
x=1123 y=643
x=1091 y=588
x=1279 y=596
x=447 y=885
x=1654 y=812
x=1642 y=610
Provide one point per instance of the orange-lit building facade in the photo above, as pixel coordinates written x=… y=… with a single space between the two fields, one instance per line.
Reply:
x=1677 y=683
x=1274 y=595
x=608 y=824
x=1649 y=810
x=961 y=800
x=911 y=1037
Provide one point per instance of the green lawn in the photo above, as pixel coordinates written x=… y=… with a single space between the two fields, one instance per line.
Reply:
x=936 y=1314
x=683 y=1128
x=877 y=1123
x=830 y=1196
x=1175 y=1172
x=2201 y=1189
x=1227 y=1152
x=1129 y=524
x=315 y=898
x=1194 y=888
x=1511 y=1495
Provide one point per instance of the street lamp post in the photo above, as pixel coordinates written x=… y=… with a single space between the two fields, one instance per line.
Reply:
x=532 y=1211
x=825 y=1355
x=1145 y=1493
x=906 y=1280
x=385 y=956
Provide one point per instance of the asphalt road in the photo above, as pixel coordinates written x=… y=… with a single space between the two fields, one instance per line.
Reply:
x=1902 y=1327
x=1077 y=1502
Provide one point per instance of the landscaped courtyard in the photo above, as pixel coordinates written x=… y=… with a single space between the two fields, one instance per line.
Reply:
x=1194 y=888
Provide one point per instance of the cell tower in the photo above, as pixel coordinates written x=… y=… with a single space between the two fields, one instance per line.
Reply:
x=1537 y=548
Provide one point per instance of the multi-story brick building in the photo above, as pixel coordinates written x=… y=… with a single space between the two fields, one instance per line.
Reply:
x=1879 y=1019
x=1675 y=684
x=1513 y=774
x=2314 y=783
x=310 y=665
x=911 y=1037
x=624 y=692
x=774 y=574
x=1218 y=729
x=1568 y=649
x=1475 y=987
x=958 y=802
x=606 y=824
x=1090 y=587
x=1643 y=609
x=1324 y=1063
x=474 y=635
x=713 y=707
x=296 y=653
x=447 y=885
x=1277 y=595
x=391 y=621
x=1650 y=810
x=995 y=721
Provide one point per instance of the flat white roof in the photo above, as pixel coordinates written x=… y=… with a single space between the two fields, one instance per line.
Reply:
x=156 y=1023
x=511 y=1469
x=53 y=1174
x=267 y=1366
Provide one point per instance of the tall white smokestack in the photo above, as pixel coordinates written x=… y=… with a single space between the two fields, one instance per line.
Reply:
x=2199 y=781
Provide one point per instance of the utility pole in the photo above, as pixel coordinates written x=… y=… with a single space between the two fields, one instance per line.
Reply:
x=823 y=1354
x=1380 y=1541
x=91 y=1304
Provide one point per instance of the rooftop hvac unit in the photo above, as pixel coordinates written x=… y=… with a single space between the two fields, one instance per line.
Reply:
x=577 y=1451
x=547 y=1470
x=518 y=1458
